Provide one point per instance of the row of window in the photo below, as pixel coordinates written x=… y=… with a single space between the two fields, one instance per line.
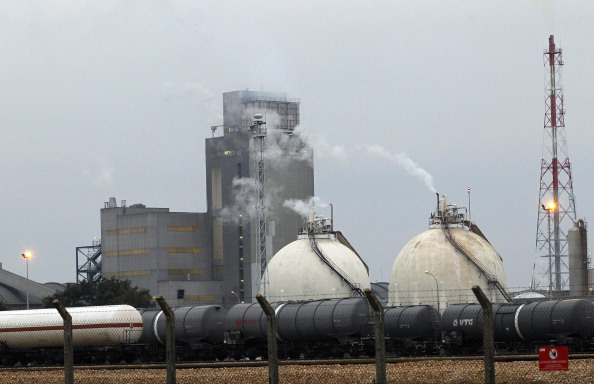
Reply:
x=181 y=295
x=226 y=153
x=135 y=230
x=145 y=251
x=126 y=231
x=146 y=272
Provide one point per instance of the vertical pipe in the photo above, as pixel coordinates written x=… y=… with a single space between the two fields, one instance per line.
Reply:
x=469 y=216
x=331 y=218
x=437 y=210
x=550 y=256
x=555 y=162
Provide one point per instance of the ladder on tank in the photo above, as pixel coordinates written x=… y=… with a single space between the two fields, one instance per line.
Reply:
x=491 y=279
x=314 y=246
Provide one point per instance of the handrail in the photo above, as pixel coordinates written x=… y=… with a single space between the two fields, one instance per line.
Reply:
x=314 y=246
x=492 y=279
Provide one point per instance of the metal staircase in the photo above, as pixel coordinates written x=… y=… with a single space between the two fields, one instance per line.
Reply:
x=343 y=275
x=491 y=279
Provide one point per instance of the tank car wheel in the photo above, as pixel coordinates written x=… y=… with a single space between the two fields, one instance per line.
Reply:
x=220 y=355
x=128 y=357
x=355 y=352
x=8 y=361
x=25 y=360
x=369 y=350
x=295 y=355
x=252 y=353
x=323 y=354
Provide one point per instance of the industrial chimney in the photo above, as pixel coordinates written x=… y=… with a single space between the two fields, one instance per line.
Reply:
x=577 y=240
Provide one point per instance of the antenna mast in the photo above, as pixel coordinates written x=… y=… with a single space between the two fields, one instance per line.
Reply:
x=258 y=130
x=556 y=206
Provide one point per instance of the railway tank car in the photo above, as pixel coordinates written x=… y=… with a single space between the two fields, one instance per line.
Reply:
x=22 y=333
x=518 y=325
x=200 y=328
x=309 y=329
x=105 y=325
x=411 y=329
x=319 y=328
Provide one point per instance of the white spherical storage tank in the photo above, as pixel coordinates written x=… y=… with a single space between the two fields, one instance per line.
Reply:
x=439 y=266
x=315 y=266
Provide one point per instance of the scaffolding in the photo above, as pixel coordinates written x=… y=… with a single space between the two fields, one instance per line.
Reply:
x=88 y=262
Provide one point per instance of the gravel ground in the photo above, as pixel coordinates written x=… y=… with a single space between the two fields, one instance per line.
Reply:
x=426 y=372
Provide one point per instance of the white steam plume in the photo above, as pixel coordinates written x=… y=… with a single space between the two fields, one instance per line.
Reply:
x=191 y=90
x=244 y=193
x=405 y=162
x=195 y=94
x=244 y=204
x=101 y=174
x=282 y=149
x=320 y=145
x=303 y=207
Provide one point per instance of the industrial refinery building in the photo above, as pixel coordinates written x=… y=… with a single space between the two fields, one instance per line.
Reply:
x=211 y=257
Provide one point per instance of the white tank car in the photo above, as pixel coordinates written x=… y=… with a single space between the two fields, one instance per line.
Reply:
x=102 y=325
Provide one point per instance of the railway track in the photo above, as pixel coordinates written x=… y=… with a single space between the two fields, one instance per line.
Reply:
x=263 y=363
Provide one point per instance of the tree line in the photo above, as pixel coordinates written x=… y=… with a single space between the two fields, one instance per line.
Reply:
x=106 y=291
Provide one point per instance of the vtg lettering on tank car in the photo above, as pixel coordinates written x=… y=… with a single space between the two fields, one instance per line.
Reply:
x=520 y=326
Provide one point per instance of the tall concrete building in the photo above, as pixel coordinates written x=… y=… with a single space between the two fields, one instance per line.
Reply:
x=231 y=176
x=206 y=258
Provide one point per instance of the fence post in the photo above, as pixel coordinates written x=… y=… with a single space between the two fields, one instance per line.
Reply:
x=169 y=338
x=68 y=348
x=271 y=337
x=488 y=339
x=380 y=343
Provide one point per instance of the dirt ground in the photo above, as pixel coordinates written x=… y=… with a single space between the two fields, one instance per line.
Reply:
x=426 y=372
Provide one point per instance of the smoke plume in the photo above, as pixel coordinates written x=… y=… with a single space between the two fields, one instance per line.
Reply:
x=321 y=147
x=244 y=204
x=102 y=175
x=405 y=162
x=303 y=207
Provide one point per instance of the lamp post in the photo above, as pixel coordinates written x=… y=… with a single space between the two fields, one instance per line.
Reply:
x=27 y=255
x=437 y=287
x=550 y=208
x=236 y=295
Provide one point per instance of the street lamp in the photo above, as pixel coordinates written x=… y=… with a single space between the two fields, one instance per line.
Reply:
x=437 y=287
x=27 y=255
x=236 y=295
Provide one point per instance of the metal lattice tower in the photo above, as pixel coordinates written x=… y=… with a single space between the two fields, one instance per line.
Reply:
x=258 y=129
x=556 y=207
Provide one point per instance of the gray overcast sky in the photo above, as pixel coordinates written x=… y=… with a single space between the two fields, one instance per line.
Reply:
x=115 y=98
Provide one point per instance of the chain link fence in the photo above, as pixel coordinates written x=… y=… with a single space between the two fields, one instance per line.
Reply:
x=119 y=344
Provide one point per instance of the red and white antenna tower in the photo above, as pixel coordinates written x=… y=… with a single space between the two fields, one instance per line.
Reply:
x=556 y=206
